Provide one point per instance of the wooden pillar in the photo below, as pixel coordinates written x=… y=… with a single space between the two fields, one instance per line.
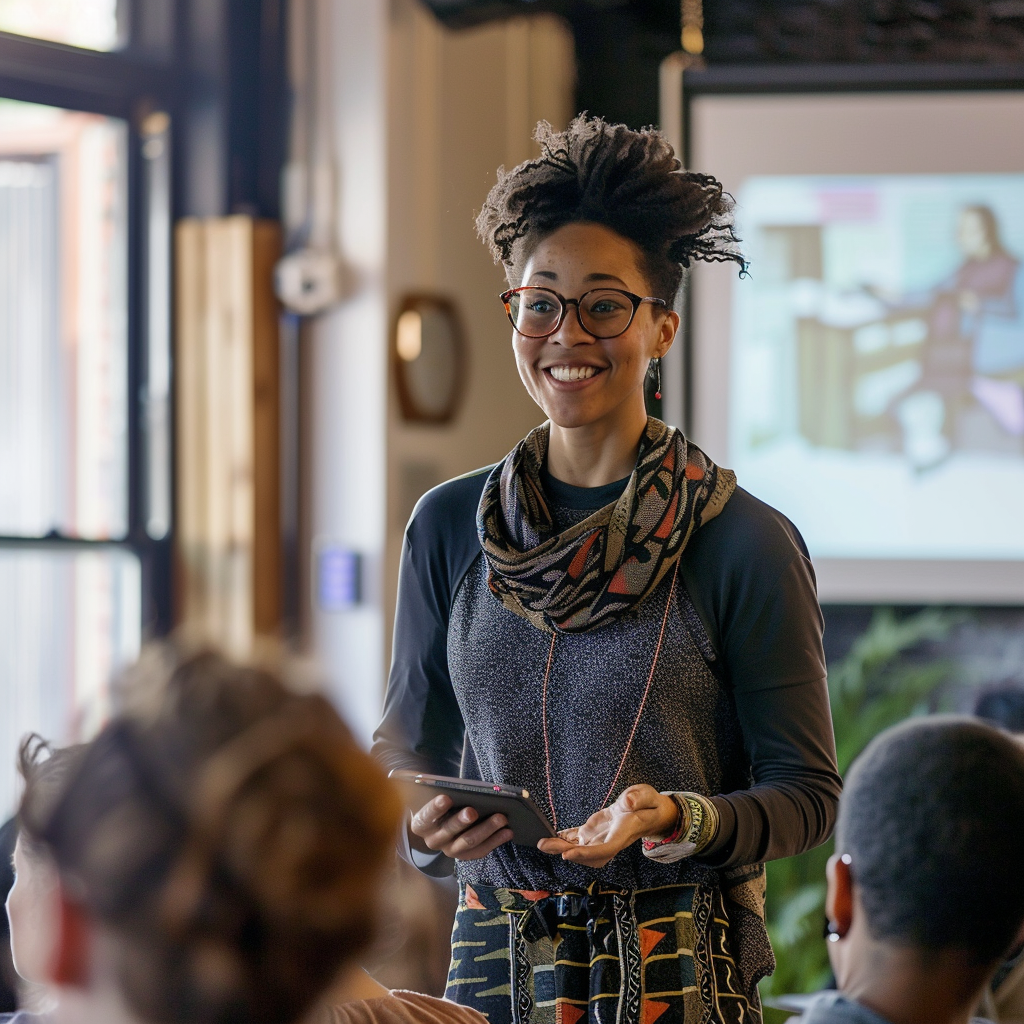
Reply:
x=228 y=536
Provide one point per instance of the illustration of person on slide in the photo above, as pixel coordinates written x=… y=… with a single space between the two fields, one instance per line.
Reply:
x=974 y=345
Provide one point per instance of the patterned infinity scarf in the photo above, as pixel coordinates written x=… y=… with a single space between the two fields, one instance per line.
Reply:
x=594 y=571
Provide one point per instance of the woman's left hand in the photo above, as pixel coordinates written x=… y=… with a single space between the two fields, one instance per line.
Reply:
x=638 y=812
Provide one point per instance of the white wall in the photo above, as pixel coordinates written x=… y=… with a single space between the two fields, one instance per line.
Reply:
x=462 y=104
x=424 y=118
x=347 y=362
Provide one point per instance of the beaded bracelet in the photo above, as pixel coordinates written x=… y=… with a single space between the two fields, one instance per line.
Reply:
x=678 y=829
x=696 y=827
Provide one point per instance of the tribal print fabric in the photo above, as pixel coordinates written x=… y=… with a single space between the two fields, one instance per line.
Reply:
x=600 y=956
x=595 y=571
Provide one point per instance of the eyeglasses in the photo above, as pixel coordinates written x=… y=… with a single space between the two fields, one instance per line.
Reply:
x=601 y=312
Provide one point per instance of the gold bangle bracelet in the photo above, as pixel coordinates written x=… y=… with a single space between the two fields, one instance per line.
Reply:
x=709 y=825
x=703 y=820
x=699 y=821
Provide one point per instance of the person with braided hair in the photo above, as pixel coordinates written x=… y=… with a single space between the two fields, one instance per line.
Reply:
x=606 y=619
x=218 y=853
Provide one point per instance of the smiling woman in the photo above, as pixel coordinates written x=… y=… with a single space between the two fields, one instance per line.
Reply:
x=588 y=370
x=606 y=619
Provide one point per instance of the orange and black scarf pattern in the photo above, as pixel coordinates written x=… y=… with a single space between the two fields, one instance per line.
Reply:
x=593 y=572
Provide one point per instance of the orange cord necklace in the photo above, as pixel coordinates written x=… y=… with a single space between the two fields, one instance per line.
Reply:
x=632 y=733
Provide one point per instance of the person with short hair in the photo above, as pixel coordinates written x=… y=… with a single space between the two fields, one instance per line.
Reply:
x=32 y=900
x=8 y=976
x=1003 y=705
x=608 y=620
x=924 y=896
x=218 y=854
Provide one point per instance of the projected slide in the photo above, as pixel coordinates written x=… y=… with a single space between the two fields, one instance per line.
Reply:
x=877 y=362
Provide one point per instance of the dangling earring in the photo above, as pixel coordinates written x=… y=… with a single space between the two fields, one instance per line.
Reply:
x=657 y=389
x=830 y=932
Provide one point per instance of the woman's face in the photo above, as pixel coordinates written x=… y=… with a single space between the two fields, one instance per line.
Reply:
x=972 y=236
x=33 y=909
x=577 y=379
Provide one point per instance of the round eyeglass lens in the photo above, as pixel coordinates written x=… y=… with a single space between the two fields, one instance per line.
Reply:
x=535 y=311
x=605 y=312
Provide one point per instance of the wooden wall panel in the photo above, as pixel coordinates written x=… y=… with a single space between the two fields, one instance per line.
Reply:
x=228 y=427
x=267 y=550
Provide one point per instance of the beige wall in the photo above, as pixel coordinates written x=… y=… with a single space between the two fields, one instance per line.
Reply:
x=460 y=105
x=344 y=357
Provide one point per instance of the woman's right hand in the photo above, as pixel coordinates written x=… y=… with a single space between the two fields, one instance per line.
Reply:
x=457 y=834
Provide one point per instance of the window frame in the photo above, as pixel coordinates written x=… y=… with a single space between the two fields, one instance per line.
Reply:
x=127 y=83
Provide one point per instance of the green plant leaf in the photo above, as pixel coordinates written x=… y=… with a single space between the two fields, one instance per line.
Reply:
x=875 y=686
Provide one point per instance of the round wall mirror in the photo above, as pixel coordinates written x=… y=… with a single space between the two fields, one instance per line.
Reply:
x=429 y=356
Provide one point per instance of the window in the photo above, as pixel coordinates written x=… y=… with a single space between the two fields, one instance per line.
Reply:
x=68 y=618
x=63 y=323
x=91 y=24
x=85 y=494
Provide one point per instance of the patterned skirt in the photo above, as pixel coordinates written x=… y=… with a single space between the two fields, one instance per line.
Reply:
x=608 y=955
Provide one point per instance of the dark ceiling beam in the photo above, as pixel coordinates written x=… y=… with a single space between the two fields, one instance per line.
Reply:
x=620 y=43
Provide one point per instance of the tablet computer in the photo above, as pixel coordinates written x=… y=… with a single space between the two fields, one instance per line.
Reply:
x=528 y=822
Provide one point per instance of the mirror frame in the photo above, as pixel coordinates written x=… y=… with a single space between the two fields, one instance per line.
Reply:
x=410 y=410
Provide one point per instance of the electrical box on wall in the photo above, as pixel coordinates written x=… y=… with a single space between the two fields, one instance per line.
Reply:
x=338 y=578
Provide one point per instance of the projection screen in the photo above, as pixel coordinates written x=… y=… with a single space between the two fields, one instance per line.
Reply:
x=867 y=378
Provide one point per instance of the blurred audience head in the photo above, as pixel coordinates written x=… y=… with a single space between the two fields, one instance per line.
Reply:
x=218 y=847
x=928 y=852
x=33 y=901
x=628 y=181
x=8 y=976
x=1002 y=705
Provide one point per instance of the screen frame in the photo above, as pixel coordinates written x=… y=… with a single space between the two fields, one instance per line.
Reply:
x=852 y=580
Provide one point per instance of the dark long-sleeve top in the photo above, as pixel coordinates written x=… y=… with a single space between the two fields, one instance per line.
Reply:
x=738 y=709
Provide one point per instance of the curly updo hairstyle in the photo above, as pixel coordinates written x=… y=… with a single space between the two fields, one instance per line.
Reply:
x=629 y=181
x=231 y=841
x=45 y=770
